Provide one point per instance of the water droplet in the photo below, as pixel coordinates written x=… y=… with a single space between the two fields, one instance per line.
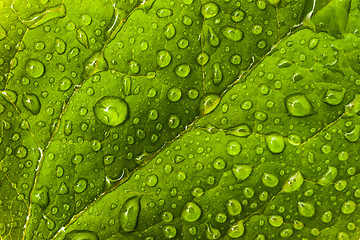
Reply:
x=35 y=68
x=163 y=58
x=40 y=196
x=21 y=152
x=276 y=220
x=151 y=180
x=334 y=97
x=209 y=10
x=191 y=212
x=306 y=209
x=134 y=66
x=213 y=38
x=174 y=94
x=234 y=207
x=85 y=19
x=63 y=189
x=65 y=84
x=73 y=53
x=31 y=102
x=212 y=233
x=354 y=134
x=111 y=111
x=50 y=224
x=241 y=172
x=197 y=192
x=232 y=33
x=202 y=58
x=217 y=74
x=10 y=96
x=164 y=12
x=293 y=183
x=275 y=143
x=298 y=105
x=270 y=180
x=313 y=43
x=328 y=177
x=167 y=216
x=242 y=130
x=60 y=46
x=129 y=214
x=221 y=217
x=81 y=235
x=174 y=121
x=59 y=171
x=348 y=207
x=260 y=115
x=38 y=45
x=82 y=37
x=257 y=29
x=219 y=163
x=236 y=230
x=283 y=63
x=169 y=31
x=235 y=59
x=326 y=216
x=353 y=107
x=182 y=70
x=209 y=103
x=237 y=15
x=48 y=14
x=183 y=43
x=169 y=231
x=233 y=147
x=80 y=185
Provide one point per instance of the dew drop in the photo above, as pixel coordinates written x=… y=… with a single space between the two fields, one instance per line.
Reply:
x=164 y=12
x=212 y=233
x=202 y=58
x=276 y=220
x=298 y=105
x=326 y=216
x=334 y=97
x=232 y=33
x=174 y=94
x=328 y=177
x=82 y=37
x=354 y=134
x=60 y=46
x=151 y=180
x=293 y=183
x=81 y=235
x=208 y=103
x=80 y=185
x=65 y=84
x=85 y=19
x=129 y=214
x=306 y=209
x=270 y=180
x=40 y=196
x=111 y=111
x=348 y=207
x=275 y=143
x=170 y=31
x=35 y=68
x=174 y=121
x=213 y=38
x=31 y=102
x=237 y=15
x=236 y=230
x=209 y=10
x=182 y=70
x=191 y=212
x=163 y=58
x=217 y=74
x=233 y=147
x=234 y=207
x=169 y=231
x=241 y=172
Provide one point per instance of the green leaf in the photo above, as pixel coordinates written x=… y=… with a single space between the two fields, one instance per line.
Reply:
x=180 y=119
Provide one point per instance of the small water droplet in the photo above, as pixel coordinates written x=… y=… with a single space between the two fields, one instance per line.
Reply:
x=174 y=94
x=348 y=207
x=85 y=19
x=202 y=58
x=81 y=235
x=334 y=97
x=234 y=207
x=169 y=231
x=73 y=53
x=65 y=84
x=237 y=15
x=326 y=216
x=313 y=43
x=276 y=220
x=164 y=12
x=233 y=147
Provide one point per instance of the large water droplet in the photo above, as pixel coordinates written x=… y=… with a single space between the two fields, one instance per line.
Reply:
x=326 y=216
x=217 y=74
x=328 y=177
x=182 y=70
x=163 y=58
x=169 y=231
x=174 y=94
x=306 y=209
x=276 y=220
x=213 y=38
x=233 y=147
x=129 y=214
x=202 y=58
x=212 y=233
x=111 y=111
x=293 y=183
x=334 y=97
x=48 y=14
x=348 y=207
x=40 y=196
x=31 y=102
x=73 y=53
x=191 y=212
x=82 y=37
x=208 y=103
x=60 y=46
x=81 y=235
x=169 y=31
x=237 y=15
x=298 y=105
x=21 y=152
x=270 y=180
x=234 y=207
x=63 y=189
x=232 y=33
x=80 y=185
x=35 y=68
x=85 y=19
x=151 y=180
x=241 y=172
x=209 y=10
x=275 y=143
x=236 y=230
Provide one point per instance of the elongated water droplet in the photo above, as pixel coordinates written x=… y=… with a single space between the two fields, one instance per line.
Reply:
x=31 y=102
x=241 y=172
x=208 y=103
x=111 y=111
x=82 y=37
x=164 y=12
x=209 y=10
x=81 y=185
x=9 y=95
x=212 y=233
x=242 y=130
x=163 y=58
x=40 y=18
x=334 y=97
x=68 y=127
x=236 y=230
x=60 y=46
x=126 y=80
x=275 y=143
x=298 y=105
x=40 y=196
x=96 y=63
x=232 y=33
x=293 y=183
x=306 y=209
x=81 y=235
x=328 y=177
x=191 y=212
x=354 y=134
x=270 y=180
x=34 y=68
x=234 y=207
x=217 y=74
x=129 y=214
x=213 y=38
x=313 y=43
x=169 y=31
x=134 y=66
x=116 y=22
x=284 y=63
x=50 y=224
x=73 y=53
